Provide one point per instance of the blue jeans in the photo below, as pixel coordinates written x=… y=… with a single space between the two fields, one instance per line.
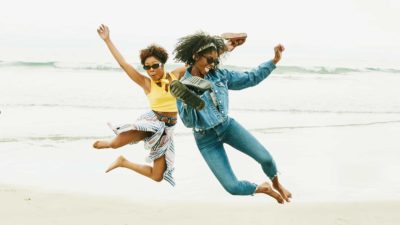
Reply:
x=210 y=143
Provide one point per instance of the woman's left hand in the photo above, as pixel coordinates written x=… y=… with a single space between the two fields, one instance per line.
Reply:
x=233 y=43
x=278 y=53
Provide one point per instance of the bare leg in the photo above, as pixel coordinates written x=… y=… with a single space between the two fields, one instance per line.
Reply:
x=278 y=186
x=156 y=172
x=267 y=189
x=122 y=139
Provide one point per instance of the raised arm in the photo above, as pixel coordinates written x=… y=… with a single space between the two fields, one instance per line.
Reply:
x=238 y=80
x=137 y=77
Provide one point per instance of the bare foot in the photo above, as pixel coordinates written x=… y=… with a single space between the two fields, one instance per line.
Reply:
x=284 y=193
x=101 y=144
x=117 y=163
x=267 y=189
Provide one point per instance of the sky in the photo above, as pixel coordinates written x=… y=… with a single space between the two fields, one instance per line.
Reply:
x=314 y=32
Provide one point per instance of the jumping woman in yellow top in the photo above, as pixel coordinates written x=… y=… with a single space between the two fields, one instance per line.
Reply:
x=154 y=127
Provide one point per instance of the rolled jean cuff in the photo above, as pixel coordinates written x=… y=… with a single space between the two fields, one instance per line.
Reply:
x=272 y=177
x=255 y=188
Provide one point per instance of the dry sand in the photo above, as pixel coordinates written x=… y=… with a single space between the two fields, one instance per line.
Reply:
x=24 y=206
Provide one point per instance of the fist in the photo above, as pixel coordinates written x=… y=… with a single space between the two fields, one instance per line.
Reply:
x=278 y=53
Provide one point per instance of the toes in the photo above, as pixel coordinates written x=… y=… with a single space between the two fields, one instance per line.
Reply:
x=269 y=191
x=278 y=198
x=282 y=197
x=95 y=145
x=113 y=166
x=285 y=195
x=276 y=195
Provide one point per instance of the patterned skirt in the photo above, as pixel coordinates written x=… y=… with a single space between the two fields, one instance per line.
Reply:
x=159 y=144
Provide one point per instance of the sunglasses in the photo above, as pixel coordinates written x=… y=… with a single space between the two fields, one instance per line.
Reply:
x=154 y=66
x=211 y=60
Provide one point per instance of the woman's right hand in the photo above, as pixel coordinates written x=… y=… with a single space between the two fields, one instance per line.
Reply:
x=103 y=32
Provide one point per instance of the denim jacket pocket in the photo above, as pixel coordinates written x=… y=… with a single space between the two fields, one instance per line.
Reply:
x=209 y=101
x=220 y=87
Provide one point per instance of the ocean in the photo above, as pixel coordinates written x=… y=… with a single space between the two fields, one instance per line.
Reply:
x=333 y=132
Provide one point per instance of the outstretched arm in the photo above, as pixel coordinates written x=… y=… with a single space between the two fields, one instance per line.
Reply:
x=138 y=78
x=240 y=80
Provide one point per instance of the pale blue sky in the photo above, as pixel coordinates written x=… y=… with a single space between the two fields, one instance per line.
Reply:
x=340 y=32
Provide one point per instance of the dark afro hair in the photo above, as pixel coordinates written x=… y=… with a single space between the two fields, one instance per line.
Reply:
x=189 y=45
x=156 y=51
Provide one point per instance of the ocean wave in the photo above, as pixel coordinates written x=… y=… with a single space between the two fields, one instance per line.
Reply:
x=272 y=129
x=27 y=64
x=59 y=65
x=61 y=138
x=249 y=110
x=66 y=138
x=57 y=138
x=313 y=111
x=171 y=66
x=74 y=106
x=316 y=70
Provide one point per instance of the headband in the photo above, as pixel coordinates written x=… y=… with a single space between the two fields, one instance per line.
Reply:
x=206 y=46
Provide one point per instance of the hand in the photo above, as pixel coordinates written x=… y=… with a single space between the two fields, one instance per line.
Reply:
x=233 y=40
x=233 y=43
x=278 y=53
x=104 y=32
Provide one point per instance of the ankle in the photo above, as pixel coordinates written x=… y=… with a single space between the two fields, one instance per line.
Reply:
x=275 y=181
x=262 y=188
x=121 y=160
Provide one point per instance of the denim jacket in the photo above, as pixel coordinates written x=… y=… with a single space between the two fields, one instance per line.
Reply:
x=222 y=80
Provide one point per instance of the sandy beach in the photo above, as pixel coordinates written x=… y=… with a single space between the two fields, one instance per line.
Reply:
x=24 y=206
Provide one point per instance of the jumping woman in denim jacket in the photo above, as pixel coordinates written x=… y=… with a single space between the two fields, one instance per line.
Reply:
x=212 y=127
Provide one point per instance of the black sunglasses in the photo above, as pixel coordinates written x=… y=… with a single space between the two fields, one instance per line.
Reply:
x=154 y=66
x=210 y=60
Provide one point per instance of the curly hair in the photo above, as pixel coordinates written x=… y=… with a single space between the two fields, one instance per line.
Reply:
x=154 y=50
x=194 y=44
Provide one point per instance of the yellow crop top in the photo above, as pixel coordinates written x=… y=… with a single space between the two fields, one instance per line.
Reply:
x=159 y=99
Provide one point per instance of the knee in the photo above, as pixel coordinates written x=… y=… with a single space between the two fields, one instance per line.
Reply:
x=157 y=178
x=267 y=161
